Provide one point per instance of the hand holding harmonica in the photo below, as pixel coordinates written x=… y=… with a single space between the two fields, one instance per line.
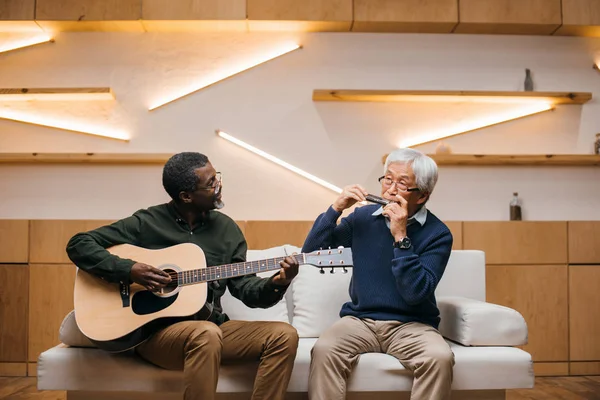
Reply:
x=350 y=195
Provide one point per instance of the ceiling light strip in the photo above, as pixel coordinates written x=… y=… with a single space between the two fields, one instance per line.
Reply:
x=278 y=161
x=222 y=75
x=68 y=126
x=477 y=124
x=26 y=42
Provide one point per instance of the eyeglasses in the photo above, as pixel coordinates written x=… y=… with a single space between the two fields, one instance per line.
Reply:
x=215 y=184
x=387 y=181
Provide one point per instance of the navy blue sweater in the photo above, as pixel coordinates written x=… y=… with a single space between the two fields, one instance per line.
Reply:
x=387 y=283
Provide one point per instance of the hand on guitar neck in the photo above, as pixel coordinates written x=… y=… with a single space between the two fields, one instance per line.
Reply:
x=149 y=277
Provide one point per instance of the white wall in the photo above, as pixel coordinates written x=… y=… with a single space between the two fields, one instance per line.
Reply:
x=271 y=108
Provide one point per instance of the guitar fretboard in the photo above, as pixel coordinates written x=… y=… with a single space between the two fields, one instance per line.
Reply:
x=231 y=270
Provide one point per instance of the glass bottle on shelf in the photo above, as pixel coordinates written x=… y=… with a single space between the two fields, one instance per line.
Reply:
x=515 y=208
x=597 y=144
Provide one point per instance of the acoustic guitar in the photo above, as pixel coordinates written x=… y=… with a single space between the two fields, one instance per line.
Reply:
x=118 y=317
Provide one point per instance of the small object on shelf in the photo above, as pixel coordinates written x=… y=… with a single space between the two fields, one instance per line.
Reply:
x=515 y=208
x=528 y=81
x=443 y=148
x=597 y=144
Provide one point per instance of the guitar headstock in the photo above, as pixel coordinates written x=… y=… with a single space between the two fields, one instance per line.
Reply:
x=330 y=258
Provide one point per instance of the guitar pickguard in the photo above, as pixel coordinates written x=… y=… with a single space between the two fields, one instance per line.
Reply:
x=144 y=302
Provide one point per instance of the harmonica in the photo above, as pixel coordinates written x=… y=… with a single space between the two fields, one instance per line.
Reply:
x=376 y=199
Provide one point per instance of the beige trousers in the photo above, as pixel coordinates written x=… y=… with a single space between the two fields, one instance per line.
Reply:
x=199 y=347
x=420 y=348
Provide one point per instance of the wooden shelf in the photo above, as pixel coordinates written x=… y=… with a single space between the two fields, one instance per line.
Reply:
x=501 y=159
x=161 y=158
x=56 y=94
x=449 y=95
x=83 y=158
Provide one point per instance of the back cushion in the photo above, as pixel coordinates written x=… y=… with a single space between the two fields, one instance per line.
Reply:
x=464 y=275
x=237 y=310
x=318 y=298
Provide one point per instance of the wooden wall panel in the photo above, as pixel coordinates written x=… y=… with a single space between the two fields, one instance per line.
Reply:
x=551 y=368
x=457 y=232
x=539 y=293
x=17 y=10
x=584 y=240
x=584 y=310
x=50 y=300
x=14 y=241
x=580 y=18
x=49 y=238
x=434 y=16
x=12 y=369
x=306 y=15
x=520 y=242
x=522 y=17
x=13 y=312
x=584 y=368
x=194 y=15
x=89 y=15
x=194 y=10
x=266 y=234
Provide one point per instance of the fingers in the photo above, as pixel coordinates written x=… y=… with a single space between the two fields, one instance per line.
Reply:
x=357 y=192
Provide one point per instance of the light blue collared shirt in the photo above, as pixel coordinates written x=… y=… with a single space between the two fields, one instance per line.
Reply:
x=420 y=216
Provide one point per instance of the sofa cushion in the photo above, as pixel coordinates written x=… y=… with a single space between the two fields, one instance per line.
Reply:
x=477 y=323
x=477 y=368
x=237 y=310
x=318 y=298
x=70 y=334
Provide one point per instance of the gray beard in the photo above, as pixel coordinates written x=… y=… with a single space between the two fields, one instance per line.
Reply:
x=218 y=204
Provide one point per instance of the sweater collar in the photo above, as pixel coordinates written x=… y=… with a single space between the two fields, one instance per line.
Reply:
x=420 y=216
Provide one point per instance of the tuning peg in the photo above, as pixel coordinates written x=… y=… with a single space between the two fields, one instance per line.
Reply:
x=321 y=271
x=345 y=270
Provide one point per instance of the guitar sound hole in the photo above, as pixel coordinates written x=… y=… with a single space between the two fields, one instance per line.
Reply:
x=173 y=285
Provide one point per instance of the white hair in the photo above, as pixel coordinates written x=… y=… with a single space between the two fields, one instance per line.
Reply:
x=423 y=166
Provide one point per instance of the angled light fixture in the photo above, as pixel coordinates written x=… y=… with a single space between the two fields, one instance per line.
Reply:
x=56 y=94
x=64 y=125
x=597 y=66
x=480 y=123
x=278 y=161
x=25 y=42
x=223 y=74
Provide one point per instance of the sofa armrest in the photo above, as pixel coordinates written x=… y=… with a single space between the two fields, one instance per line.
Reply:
x=477 y=323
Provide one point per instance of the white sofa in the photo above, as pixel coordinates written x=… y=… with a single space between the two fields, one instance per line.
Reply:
x=481 y=335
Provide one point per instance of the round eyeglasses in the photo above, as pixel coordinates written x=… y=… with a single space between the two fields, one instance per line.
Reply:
x=216 y=183
x=387 y=181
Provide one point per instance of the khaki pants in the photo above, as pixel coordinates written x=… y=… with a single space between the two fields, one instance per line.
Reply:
x=420 y=348
x=198 y=347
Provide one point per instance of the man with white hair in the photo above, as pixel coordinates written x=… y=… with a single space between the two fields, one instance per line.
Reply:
x=400 y=252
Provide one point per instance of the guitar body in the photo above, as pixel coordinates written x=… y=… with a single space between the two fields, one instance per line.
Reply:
x=117 y=318
x=104 y=316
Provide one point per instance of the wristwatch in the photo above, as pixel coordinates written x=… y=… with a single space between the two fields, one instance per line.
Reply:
x=403 y=244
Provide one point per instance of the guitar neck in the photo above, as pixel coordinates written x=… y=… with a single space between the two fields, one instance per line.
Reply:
x=214 y=273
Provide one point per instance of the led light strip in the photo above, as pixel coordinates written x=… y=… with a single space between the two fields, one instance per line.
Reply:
x=226 y=73
x=69 y=126
x=477 y=124
x=278 y=161
x=21 y=43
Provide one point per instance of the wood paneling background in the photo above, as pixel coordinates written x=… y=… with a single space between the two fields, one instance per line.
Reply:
x=530 y=17
x=548 y=271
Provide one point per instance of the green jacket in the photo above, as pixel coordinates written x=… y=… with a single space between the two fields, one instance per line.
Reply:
x=161 y=226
